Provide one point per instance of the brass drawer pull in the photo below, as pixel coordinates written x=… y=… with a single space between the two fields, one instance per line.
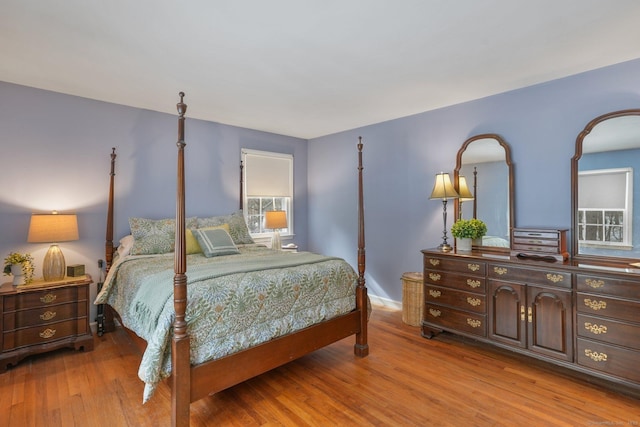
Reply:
x=434 y=261
x=595 y=356
x=500 y=270
x=474 y=301
x=434 y=293
x=48 y=315
x=522 y=315
x=47 y=333
x=595 y=329
x=48 y=298
x=555 y=278
x=435 y=313
x=473 y=267
x=530 y=314
x=434 y=276
x=595 y=284
x=473 y=283
x=595 y=305
x=474 y=323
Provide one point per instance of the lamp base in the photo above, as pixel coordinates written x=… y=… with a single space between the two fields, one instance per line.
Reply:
x=445 y=247
x=53 y=267
x=276 y=243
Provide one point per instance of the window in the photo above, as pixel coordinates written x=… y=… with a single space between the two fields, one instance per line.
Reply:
x=268 y=185
x=605 y=201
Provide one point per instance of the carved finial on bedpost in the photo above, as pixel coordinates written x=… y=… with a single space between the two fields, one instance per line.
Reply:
x=361 y=347
x=182 y=109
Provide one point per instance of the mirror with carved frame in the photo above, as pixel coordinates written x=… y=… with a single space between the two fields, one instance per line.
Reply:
x=604 y=189
x=484 y=162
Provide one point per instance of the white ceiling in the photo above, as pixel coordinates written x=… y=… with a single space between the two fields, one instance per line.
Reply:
x=307 y=68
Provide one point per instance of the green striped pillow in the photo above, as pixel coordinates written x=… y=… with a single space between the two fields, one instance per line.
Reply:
x=215 y=242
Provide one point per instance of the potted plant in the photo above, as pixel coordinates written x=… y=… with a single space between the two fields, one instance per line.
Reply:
x=466 y=230
x=20 y=266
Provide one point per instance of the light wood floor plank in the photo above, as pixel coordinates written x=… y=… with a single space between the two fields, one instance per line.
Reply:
x=406 y=381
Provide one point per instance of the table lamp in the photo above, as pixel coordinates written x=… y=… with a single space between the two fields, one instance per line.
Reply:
x=275 y=220
x=443 y=189
x=53 y=228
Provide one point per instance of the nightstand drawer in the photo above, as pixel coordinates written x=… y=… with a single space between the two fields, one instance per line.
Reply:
x=24 y=301
x=43 y=315
x=43 y=333
x=448 y=318
x=457 y=299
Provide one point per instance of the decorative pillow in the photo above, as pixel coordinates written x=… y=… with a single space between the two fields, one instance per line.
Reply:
x=126 y=243
x=237 y=226
x=193 y=247
x=215 y=242
x=155 y=236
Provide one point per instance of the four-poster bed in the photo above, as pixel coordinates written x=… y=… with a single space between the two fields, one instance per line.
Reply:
x=191 y=379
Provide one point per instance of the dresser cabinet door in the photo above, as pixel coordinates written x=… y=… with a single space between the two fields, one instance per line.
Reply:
x=507 y=313
x=549 y=322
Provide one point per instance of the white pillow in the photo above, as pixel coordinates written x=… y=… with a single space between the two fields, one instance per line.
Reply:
x=126 y=243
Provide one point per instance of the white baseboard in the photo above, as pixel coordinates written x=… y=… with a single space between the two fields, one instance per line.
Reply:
x=396 y=305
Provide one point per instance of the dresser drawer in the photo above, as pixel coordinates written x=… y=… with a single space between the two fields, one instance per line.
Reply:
x=453 y=280
x=454 y=298
x=456 y=265
x=609 y=331
x=606 y=285
x=43 y=298
x=528 y=275
x=43 y=315
x=449 y=318
x=610 y=359
x=43 y=333
x=600 y=305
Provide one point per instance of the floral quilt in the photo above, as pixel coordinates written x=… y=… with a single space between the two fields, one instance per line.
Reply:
x=234 y=301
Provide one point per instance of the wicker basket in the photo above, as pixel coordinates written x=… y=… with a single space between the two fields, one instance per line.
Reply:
x=412 y=298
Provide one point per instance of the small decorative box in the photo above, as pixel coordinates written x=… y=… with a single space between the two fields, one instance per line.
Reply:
x=75 y=270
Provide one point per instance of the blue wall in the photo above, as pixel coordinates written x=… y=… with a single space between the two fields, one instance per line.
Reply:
x=401 y=157
x=56 y=156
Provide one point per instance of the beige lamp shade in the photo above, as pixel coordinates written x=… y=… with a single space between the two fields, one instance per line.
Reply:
x=463 y=189
x=53 y=228
x=442 y=188
x=275 y=220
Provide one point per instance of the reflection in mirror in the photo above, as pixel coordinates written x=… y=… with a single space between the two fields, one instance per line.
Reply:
x=604 y=194
x=484 y=165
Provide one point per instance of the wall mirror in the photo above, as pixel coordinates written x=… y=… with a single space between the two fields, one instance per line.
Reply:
x=605 y=185
x=484 y=163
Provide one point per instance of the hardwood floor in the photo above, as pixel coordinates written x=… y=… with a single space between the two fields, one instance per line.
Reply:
x=405 y=381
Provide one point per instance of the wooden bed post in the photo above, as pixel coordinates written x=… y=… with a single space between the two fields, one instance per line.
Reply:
x=109 y=324
x=180 y=358
x=361 y=347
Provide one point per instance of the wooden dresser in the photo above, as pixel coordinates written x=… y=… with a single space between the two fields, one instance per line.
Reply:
x=585 y=317
x=43 y=316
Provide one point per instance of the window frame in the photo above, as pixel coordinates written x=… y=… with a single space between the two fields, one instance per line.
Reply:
x=280 y=202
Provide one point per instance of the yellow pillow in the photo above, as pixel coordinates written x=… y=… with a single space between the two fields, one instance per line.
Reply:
x=193 y=247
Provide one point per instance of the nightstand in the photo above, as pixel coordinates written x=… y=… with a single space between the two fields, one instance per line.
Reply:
x=44 y=316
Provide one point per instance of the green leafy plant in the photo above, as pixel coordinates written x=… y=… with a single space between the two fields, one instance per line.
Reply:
x=469 y=228
x=24 y=260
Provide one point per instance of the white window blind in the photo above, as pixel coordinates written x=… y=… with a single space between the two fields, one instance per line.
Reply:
x=268 y=174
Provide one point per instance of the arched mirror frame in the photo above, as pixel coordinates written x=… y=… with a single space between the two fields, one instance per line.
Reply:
x=507 y=158
x=574 y=186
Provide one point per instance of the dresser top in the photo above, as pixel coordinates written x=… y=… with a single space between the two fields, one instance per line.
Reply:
x=8 y=287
